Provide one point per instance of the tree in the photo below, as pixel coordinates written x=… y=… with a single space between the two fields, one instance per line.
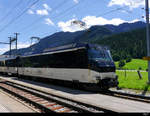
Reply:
x=129 y=58
x=140 y=68
x=121 y=63
x=116 y=57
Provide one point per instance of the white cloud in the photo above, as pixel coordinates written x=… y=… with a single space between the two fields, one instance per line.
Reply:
x=42 y=12
x=76 y=1
x=130 y=3
x=93 y=20
x=30 y=12
x=67 y=26
x=48 y=21
x=90 y=21
x=47 y=7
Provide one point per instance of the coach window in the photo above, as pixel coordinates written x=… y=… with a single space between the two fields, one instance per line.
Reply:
x=47 y=60
x=7 y=63
x=26 y=62
x=82 y=59
x=1 y=63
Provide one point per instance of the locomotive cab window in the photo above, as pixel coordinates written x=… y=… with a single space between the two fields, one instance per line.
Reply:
x=99 y=54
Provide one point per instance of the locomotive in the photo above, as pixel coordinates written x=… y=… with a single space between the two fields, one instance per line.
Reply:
x=85 y=64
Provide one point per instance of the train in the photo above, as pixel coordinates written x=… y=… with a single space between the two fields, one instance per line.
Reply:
x=90 y=65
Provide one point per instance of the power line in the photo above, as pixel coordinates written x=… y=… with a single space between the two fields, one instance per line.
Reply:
x=37 y=20
x=29 y=1
x=14 y=19
x=11 y=10
x=66 y=10
x=114 y=10
x=3 y=43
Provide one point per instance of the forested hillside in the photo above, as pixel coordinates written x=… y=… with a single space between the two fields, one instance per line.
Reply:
x=126 y=44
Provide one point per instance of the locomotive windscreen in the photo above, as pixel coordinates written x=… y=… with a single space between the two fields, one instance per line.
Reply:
x=99 y=53
x=100 y=59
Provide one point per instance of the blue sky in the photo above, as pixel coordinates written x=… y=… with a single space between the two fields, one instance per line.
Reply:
x=49 y=16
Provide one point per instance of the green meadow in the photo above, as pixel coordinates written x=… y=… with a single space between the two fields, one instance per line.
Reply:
x=134 y=64
x=131 y=80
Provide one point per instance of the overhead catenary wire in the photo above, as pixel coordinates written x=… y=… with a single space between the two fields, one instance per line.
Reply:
x=63 y=12
x=111 y=11
x=66 y=10
x=29 y=1
x=14 y=19
x=114 y=10
x=16 y=6
x=10 y=11
x=106 y=13
x=40 y=18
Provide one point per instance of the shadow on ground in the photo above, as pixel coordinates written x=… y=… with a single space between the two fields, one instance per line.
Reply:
x=145 y=89
x=56 y=88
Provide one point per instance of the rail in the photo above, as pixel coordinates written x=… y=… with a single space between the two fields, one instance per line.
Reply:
x=135 y=97
x=47 y=102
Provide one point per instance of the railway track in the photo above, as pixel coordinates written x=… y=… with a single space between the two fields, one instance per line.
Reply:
x=67 y=103
x=47 y=102
x=128 y=96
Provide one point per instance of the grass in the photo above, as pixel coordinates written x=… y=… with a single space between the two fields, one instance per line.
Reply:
x=132 y=81
x=134 y=64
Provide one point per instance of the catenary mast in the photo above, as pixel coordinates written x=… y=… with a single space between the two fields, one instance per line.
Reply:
x=147 y=36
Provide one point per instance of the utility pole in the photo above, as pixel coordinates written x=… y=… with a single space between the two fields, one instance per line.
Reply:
x=16 y=41
x=147 y=36
x=10 y=46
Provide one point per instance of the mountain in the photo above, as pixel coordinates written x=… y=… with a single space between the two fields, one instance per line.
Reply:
x=125 y=27
x=94 y=34
x=125 y=44
x=97 y=32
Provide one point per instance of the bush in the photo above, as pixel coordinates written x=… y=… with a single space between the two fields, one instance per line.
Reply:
x=121 y=63
x=128 y=59
x=140 y=68
x=116 y=57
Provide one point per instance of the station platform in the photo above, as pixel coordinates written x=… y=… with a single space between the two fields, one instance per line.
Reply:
x=10 y=105
x=3 y=109
x=103 y=101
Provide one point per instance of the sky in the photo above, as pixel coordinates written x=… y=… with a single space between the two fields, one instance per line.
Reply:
x=40 y=18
